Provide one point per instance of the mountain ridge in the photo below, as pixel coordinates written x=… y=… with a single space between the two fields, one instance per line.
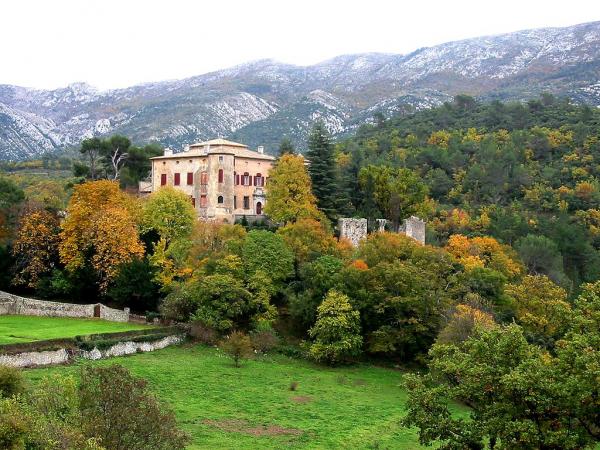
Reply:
x=260 y=101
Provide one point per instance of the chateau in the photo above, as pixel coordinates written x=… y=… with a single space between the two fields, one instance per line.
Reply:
x=225 y=180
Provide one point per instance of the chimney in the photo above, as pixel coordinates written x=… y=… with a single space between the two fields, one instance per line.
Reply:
x=168 y=152
x=261 y=149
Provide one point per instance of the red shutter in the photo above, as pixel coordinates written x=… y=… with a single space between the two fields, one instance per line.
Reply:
x=190 y=178
x=193 y=202
x=177 y=179
x=237 y=179
x=163 y=179
x=220 y=175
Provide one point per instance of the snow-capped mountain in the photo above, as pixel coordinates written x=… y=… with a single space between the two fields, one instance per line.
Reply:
x=261 y=101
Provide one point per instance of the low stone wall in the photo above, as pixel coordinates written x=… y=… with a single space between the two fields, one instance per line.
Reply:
x=13 y=304
x=35 y=359
x=63 y=356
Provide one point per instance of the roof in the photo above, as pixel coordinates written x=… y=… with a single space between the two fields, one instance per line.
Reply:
x=218 y=146
x=219 y=142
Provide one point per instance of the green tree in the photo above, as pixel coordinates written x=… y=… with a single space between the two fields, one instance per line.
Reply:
x=290 y=194
x=322 y=170
x=115 y=152
x=92 y=148
x=138 y=165
x=286 y=147
x=169 y=212
x=541 y=256
x=266 y=251
x=398 y=193
x=336 y=333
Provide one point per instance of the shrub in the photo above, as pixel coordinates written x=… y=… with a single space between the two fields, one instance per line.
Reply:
x=203 y=333
x=336 y=332
x=293 y=385
x=238 y=346
x=116 y=407
x=11 y=381
x=264 y=339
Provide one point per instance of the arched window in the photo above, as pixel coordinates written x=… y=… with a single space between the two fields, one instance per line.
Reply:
x=258 y=208
x=258 y=180
x=220 y=199
x=220 y=175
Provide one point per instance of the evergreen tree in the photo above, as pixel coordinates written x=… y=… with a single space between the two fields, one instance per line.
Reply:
x=322 y=170
x=286 y=147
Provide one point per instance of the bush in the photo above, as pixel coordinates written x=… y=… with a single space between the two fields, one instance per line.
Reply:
x=11 y=381
x=238 y=346
x=116 y=407
x=264 y=339
x=203 y=333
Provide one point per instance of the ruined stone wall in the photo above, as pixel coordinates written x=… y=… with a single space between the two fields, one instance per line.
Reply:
x=415 y=228
x=13 y=304
x=354 y=230
x=63 y=356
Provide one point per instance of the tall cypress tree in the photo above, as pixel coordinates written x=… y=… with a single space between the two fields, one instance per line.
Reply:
x=322 y=170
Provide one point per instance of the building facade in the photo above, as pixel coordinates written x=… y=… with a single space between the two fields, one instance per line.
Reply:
x=225 y=180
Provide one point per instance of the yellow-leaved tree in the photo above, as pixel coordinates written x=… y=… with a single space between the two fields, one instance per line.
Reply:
x=484 y=251
x=100 y=229
x=290 y=193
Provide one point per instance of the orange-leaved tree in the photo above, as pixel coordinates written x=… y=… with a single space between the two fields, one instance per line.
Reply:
x=100 y=229
x=36 y=247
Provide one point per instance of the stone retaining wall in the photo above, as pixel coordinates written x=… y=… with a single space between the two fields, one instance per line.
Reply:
x=63 y=356
x=13 y=304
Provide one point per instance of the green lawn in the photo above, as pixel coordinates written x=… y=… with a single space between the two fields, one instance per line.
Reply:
x=17 y=329
x=253 y=407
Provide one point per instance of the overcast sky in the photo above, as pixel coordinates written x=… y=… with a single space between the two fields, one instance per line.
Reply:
x=118 y=43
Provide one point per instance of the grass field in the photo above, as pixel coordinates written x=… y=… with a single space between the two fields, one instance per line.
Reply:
x=253 y=406
x=17 y=329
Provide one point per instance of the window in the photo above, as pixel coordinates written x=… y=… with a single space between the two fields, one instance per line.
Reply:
x=246 y=202
x=193 y=201
x=235 y=202
x=220 y=199
x=258 y=208
x=190 y=178
x=258 y=180
x=163 y=179
x=220 y=175
x=204 y=178
x=220 y=159
x=203 y=201
x=177 y=179
x=246 y=179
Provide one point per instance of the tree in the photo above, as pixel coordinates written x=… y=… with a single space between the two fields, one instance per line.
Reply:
x=10 y=198
x=322 y=169
x=11 y=381
x=93 y=148
x=118 y=408
x=398 y=193
x=484 y=252
x=36 y=247
x=114 y=151
x=290 y=195
x=137 y=165
x=308 y=239
x=286 y=147
x=169 y=212
x=134 y=286
x=541 y=256
x=541 y=307
x=266 y=251
x=100 y=229
x=336 y=333
x=463 y=323
x=505 y=382
x=238 y=346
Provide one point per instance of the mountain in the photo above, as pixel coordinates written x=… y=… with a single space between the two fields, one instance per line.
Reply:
x=261 y=101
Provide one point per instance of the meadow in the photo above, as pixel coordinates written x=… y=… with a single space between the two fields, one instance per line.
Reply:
x=18 y=329
x=221 y=406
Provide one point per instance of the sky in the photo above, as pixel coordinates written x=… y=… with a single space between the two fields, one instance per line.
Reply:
x=118 y=43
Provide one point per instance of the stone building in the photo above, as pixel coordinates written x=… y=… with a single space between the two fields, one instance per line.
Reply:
x=224 y=180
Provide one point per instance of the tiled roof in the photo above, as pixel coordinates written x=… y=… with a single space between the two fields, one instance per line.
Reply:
x=218 y=146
